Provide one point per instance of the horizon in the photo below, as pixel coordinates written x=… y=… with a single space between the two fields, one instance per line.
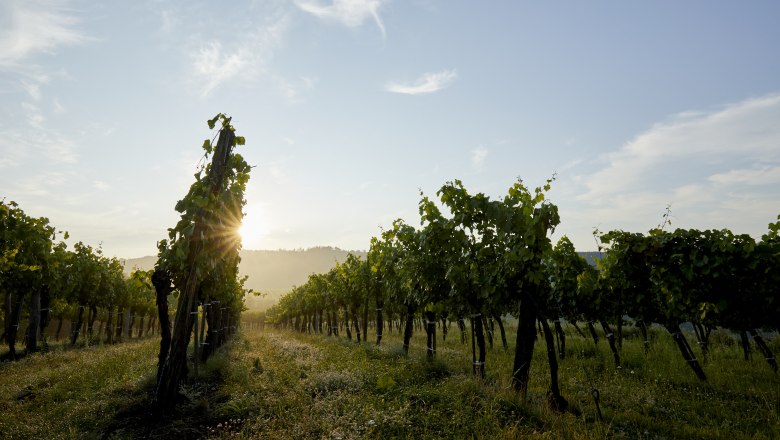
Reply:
x=333 y=248
x=336 y=248
x=351 y=108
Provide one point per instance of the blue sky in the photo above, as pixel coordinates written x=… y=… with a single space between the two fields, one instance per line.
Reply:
x=350 y=107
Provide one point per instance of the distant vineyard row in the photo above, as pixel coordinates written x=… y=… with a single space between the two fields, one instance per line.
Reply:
x=42 y=280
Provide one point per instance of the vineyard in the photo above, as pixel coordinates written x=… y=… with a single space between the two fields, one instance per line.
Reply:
x=283 y=384
x=490 y=259
x=195 y=279
x=434 y=318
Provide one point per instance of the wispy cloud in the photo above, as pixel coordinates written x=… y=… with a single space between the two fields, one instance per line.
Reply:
x=100 y=185
x=752 y=176
x=478 y=156
x=33 y=115
x=33 y=89
x=277 y=173
x=169 y=20
x=569 y=165
x=7 y=163
x=59 y=109
x=293 y=89
x=350 y=13
x=42 y=184
x=712 y=166
x=61 y=151
x=747 y=130
x=427 y=83
x=214 y=66
x=215 y=63
x=35 y=26
x=29 y=146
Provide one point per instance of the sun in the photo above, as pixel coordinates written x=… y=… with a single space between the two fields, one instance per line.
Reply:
x=253 y=230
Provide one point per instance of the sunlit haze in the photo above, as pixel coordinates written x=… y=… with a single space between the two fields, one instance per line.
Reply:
x=253 y=230
x=350 y=108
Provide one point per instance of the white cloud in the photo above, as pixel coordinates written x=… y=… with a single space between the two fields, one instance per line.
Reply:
x=753 y=176
x=569 y=165
x=32 y=89
x=59 y=109
x=7 y=162
x=293 y=89
x=747 y=130
x=169 y=20
x=713 y=167
x=61 y=151
x=42 y=184
x=478 y=156
x=33 y=115
x=350 y=13
x=214 y=65
x=100 y=185
x=277 y=173
x=28 y=147
x=35 y=26
x=427 y=83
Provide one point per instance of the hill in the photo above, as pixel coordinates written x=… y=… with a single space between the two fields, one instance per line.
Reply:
x=272 y=272
x=591 y=256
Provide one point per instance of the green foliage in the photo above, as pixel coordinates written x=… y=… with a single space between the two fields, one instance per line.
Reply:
x=216 y=213
x=486 y=253
x=711 y=277
x=470 y=262
x=41 y=277
x=25 y=245
x=565 y=267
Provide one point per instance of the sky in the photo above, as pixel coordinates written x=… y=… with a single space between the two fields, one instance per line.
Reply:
x=350 y=108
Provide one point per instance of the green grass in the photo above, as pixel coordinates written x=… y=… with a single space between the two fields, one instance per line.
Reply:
x=288 y=385
x=65 y=394
x=358 y=391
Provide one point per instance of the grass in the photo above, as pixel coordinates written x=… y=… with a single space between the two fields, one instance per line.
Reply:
x=288 y=385
x=66 y=393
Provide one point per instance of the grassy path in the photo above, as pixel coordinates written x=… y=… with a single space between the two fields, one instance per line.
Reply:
x=308 y=387
x=300 y=386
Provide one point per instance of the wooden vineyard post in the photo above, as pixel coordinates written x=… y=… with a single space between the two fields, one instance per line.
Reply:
x=196 y=358
x=175 y=367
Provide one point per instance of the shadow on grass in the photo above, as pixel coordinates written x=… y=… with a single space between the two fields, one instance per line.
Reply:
x=191 y=418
